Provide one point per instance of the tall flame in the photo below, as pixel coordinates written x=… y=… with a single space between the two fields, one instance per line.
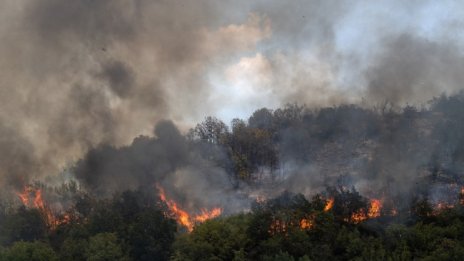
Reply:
x=182 y=216
x=38 y=201
x=329 y=204
x=24 y=196
x=374 y=209
x=32 y=198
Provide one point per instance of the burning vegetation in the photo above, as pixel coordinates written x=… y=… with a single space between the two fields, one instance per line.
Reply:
x=93 y=165
x=32 y=197
x=352 y=209
x=329 y=204
x=295 y=179
x=183 y=217
x=335 y=219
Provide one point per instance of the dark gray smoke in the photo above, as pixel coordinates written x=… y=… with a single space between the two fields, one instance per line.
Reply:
x=120 y=78
x=169 y=161
x=107 y=169
x=80 y=79
x=16 y=157
x=79 y=73
x=412 y=69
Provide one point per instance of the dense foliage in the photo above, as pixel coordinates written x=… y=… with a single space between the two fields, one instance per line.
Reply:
x=398 y=146
x=252 y=236
x=397 y=139
x=129 y=228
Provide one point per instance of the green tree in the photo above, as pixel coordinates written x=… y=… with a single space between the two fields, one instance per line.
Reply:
x=251 y=149
x=211 y=130
x=74 y=249
x=151 y=235
x=29 y=251
x=217 y=239
x=104 y=247
x=24 y=224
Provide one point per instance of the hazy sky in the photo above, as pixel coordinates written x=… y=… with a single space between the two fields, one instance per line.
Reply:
x=78 y=73
x=319 y=53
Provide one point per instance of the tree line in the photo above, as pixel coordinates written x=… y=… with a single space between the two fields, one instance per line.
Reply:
x=133 y=226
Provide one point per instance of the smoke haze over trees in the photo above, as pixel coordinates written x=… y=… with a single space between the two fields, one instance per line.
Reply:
x=346 y=179
x=125 y=125
x=76 y=74
x=385 y=151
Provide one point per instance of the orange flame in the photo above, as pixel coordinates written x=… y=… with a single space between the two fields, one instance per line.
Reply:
x=277 y=226
x=358 y=216
x=329 y=204
x=38 y=201
x=32 y=198
x=205 y=215
x=374 y=209
x=24 y=196
x=65 y=219
x=182 y=216
x=306 y=223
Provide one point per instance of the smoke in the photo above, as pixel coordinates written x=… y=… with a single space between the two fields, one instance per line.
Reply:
x=120 y=78
x=76 y=74
x=16 y=157
x=80 y=79
x=167 y=160
x=412 y=69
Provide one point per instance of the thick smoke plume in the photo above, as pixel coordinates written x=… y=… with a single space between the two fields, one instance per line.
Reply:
x=80 y=79
x=413 y=69
x=168 y=160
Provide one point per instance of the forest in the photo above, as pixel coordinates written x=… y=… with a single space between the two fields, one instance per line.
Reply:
x=348 y=182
